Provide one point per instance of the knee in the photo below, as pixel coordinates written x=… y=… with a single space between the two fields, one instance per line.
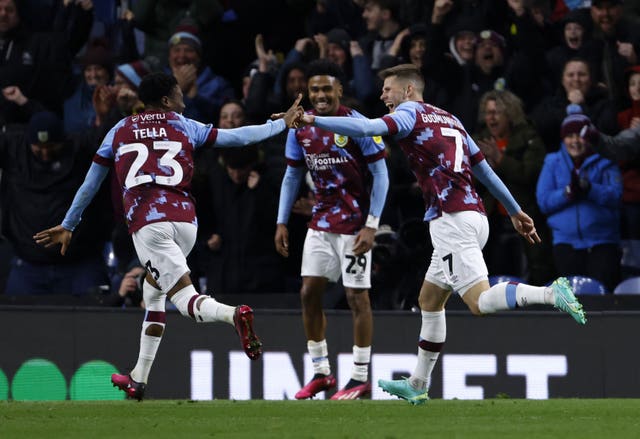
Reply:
x=358 y=300
x=154 y=330
x=310 y=297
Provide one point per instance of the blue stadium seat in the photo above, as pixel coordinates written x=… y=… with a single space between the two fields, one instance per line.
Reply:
x=504 y=278
x=628 y=286
x=583 y=285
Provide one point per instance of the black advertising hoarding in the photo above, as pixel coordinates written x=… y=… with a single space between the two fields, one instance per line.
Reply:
x=526 y=354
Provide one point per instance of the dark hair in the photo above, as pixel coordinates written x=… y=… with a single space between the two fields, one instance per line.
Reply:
x=322 y=67
x=154 y=87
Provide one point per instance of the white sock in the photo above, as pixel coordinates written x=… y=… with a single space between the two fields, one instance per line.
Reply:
x=433 y=334
x=361 y=360
x=200 y=307
x=320 y=356
x=154 y=301
x=510 y=295
x=148 y=348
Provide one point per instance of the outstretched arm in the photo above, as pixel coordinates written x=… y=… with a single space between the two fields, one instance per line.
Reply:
x=250 y=134
x=348 y=126
x=61 y=234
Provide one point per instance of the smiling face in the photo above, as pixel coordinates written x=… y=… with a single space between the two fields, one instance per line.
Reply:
x=576 y=77
x=465 y=43
x=576 y=145
x=324 y=94
x=95 y=75
x=182 y=54
x=606 y=16
x=231 y=116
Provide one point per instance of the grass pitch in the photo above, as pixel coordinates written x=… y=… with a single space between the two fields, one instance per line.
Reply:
x=497 y=418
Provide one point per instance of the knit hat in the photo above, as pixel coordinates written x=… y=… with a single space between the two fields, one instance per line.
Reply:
x=574 y=122
x=45 y=127
x=492 y=36
x=98 y=53
x=340 y=37
x=133 y=72
x=186 y=32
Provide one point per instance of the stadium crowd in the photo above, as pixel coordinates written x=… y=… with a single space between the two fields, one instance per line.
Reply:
x=527 y=78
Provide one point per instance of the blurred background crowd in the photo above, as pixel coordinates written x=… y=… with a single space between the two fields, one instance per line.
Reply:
x=524 y=77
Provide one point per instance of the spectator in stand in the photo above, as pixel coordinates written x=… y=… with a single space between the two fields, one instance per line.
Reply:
x=204 y=91
x=575 y=32
x=410 y=46
x=382 y=20
x=515 y=151
x=237 y=215
x=580 y=192
x=41 y=171
x=32 y=62
x=97 y=70
x=338 y=47
x=159 y=18
x=577 y=88
x=612 y=48
x=269 y=90
x=630 y=118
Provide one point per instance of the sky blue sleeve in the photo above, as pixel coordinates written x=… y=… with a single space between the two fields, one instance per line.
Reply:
x=292 y=149
x=249 y=134
x=84 y=195
x=288 y=192
x=380 y=186
x=197 y=132
x=490 y=179
x=351 y=126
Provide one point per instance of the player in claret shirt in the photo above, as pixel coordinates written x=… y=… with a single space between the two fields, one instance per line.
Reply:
x=152 y=155
x=443 y=156
x=351 y=181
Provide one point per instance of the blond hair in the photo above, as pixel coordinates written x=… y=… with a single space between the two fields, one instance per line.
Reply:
x=506 y=102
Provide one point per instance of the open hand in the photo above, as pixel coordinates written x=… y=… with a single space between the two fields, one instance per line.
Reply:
x=53 y=236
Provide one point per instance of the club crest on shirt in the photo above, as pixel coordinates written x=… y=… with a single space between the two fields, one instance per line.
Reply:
x=340 y=140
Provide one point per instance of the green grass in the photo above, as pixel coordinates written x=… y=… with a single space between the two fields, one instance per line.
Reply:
x=497 y=418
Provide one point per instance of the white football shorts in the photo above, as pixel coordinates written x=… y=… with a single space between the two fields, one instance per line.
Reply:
x=163 y=248
x=457 y=260
x=331 y=255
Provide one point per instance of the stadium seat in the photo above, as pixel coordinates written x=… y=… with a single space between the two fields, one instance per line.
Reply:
x=583 y=285
x=504 y=278
x=628 y=286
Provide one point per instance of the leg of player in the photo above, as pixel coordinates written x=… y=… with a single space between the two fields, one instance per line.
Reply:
x=483 y=299
x=315 y=322
x=204 y=308
x=433 y=333
x=152 y=330
x=359 y=385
